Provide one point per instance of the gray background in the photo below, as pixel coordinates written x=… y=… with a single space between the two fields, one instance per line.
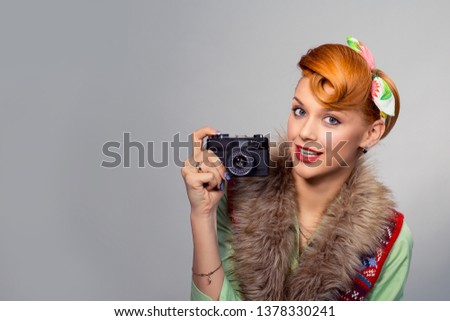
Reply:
x=76 y=74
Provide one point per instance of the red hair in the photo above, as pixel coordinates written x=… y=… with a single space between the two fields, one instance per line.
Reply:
x=350 y=77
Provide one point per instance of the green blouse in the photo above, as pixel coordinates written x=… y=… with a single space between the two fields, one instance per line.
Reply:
x=389 y=285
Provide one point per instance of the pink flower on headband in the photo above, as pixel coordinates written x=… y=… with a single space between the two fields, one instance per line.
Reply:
x=360 y=48
x=375 y=89
x=381 y=94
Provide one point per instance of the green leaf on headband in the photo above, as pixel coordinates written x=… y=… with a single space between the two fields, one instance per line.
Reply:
x=387 y=93
x=353 y=43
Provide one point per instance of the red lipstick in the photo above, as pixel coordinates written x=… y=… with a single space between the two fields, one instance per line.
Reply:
x=306 y=155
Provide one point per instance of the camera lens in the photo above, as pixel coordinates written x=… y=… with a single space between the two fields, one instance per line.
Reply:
x=241 y=163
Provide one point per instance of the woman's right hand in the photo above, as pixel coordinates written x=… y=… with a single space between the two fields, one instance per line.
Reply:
x=204 y=176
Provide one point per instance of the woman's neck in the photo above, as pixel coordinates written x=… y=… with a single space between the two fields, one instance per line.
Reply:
x=314 y=196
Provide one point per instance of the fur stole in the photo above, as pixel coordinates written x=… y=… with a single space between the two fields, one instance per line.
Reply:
x=264 y=212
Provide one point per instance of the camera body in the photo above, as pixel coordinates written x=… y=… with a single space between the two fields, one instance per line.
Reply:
x=241 y=155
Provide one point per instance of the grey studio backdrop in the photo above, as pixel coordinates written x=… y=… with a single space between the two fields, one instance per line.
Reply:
x=75 y=75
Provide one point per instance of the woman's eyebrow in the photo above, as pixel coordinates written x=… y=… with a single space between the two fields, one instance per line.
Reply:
x=298 y=100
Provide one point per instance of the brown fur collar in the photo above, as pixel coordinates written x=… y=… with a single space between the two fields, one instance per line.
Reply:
x=265 y=211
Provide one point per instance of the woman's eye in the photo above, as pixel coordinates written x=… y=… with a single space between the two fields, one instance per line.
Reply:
x=298 y=111
x=332 y=121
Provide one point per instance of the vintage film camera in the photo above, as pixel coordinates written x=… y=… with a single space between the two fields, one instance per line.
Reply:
x=242 y=155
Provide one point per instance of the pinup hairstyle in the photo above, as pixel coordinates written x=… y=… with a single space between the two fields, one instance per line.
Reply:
x=350 y=77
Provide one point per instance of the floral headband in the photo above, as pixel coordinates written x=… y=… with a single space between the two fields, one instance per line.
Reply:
x=382 y=95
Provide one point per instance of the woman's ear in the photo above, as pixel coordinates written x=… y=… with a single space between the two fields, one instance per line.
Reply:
x=373 y=134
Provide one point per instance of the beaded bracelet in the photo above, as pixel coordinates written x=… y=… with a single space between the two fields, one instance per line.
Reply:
x=207 y=274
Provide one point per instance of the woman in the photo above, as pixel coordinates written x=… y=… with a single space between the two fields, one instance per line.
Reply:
x=320 y=226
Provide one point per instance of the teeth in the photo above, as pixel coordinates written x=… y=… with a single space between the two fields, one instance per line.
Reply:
x=305 y=152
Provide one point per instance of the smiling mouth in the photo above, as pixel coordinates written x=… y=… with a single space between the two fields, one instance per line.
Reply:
x=306 y=155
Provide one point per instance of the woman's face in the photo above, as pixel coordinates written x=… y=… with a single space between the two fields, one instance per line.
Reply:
x=325 y=141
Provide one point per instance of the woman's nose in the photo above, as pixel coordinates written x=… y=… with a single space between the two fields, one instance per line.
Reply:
x=308 y=132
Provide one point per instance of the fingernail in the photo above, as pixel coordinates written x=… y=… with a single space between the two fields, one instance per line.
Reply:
x=218 y=132
x=221 y=186
x=227 y=176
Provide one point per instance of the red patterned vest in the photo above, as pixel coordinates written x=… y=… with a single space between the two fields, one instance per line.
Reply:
x=371 y=265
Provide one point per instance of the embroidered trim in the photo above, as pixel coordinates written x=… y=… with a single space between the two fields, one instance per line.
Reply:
x=371 y=265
